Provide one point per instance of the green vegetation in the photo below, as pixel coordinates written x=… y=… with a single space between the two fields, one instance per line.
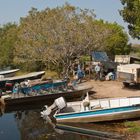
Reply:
x=132 y=127
x=8 y=37
x=131 y=14
x=52 y=38
x=135 y=50
x=51 y=74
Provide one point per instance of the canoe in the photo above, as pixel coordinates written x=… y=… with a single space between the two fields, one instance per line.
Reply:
x=46 y=97
x=99 y=110
x=8 y=73
x=29 y=76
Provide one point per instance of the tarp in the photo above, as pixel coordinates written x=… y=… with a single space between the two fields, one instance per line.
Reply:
x=104 y=59
x=99 y=56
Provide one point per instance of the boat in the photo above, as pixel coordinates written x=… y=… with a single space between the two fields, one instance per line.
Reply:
x=21 y=78
x=46 y=97
x=8 y=73
x=29 y=76
x=39 y=86
x=97 y=110
x=84 y=130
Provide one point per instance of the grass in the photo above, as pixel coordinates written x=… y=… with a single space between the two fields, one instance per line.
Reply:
x=132 y=127
x=48 y=74
x=51 y=74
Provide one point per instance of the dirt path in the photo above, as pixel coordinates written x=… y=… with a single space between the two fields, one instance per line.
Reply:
x=104 y=89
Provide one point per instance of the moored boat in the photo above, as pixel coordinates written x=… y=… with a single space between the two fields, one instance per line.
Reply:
x=44 y=98
x=99 y=110
x=8 y=73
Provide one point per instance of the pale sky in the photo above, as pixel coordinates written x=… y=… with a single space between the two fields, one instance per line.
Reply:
x=108 y=10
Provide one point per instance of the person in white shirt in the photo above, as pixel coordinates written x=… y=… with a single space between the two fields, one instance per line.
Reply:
x=97 y=71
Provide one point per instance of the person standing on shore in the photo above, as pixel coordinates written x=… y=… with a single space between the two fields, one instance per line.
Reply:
x=97 y=71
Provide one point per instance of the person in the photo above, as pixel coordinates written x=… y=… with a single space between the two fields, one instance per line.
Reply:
x=110 y=76
x=73 y=82
x=27 y=83
x=75 y=68
x=80 y=74
x=75 y=78
x=16 y=88
x=25 y=87
x=97 y=71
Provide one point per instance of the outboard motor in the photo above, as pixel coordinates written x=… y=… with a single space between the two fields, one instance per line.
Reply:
x=58 y=104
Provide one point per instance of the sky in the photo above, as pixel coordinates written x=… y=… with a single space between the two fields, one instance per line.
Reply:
x=108 y=10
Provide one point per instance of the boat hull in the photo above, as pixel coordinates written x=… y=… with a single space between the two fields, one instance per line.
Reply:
x=101 y=117
x=9 y=73
x=44 y=99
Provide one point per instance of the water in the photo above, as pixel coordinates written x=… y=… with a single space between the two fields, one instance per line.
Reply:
x=28 y=125
x=8 y=127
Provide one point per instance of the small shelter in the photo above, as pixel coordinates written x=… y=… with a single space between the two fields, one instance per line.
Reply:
x=102 y=57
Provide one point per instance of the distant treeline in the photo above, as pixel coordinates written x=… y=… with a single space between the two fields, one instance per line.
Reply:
x=53 y=38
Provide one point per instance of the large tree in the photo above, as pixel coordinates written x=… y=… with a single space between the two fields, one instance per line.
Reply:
x=54 y=37
x=131 y=14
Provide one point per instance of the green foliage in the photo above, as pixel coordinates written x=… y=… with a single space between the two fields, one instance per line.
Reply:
x=51 y=74
x=135 y=50
x=52 y=38
x=131 y=14
x=132 y=127
x=8 y=37
x=116 y=42
x=85 y=58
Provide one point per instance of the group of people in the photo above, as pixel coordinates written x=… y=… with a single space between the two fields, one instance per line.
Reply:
x=99 y=70
x=18 y=87
x=100 y=73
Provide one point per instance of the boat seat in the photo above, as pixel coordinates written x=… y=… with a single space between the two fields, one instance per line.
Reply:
x=96 y=107
x=67 y=110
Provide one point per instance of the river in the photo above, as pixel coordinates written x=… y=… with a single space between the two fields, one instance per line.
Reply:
x=29 y=125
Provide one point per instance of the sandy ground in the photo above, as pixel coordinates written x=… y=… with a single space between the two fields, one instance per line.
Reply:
x=111 y=89
x=103 y=89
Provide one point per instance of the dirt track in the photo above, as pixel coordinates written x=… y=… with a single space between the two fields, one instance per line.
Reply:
x=104 y=89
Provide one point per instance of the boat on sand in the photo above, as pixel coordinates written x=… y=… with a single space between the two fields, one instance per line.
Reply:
x=97 y=110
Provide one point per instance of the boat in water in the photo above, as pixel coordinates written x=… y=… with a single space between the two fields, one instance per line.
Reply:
x=45 y=97
x=8 y=73
x=97 y=110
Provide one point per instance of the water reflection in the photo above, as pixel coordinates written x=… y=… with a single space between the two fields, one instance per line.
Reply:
x=2 y=105
x=28 y=125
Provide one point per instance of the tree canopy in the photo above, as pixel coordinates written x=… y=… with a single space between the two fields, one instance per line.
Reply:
x=8 y=37
x=131 y=14
x=53 y=38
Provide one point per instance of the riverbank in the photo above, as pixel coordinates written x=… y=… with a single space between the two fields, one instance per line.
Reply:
x=113 y=89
